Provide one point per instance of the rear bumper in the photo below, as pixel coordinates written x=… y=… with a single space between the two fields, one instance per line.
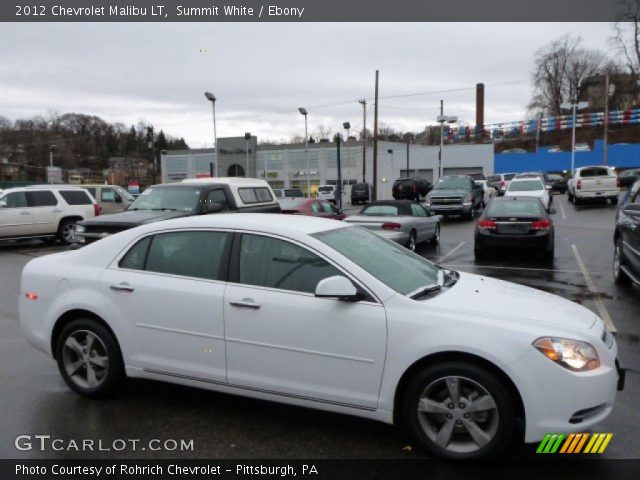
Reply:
x=493 y=240
x=597 y=193
x=398 y=237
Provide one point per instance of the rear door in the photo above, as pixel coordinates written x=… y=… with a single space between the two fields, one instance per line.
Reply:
x=45 y=211
x=15 y=216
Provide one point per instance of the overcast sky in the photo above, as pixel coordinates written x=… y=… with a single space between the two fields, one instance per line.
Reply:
x=261 y=72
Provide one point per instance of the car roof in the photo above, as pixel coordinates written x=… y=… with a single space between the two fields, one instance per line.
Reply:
x=526 y=179
x=44 y=186
x=237 y=181
x=515 y=198
x=264 y=222
x=391 y=202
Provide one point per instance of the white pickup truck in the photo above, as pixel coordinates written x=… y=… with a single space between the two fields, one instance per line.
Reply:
x=593 y=182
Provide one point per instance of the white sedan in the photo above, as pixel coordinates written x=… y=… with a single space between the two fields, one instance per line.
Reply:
x=529 y=187
x=322 y=314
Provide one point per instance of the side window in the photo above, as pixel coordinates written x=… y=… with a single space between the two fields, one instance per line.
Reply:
x=191 y=254
x=274 y=263
x=42 y=198
x=329 y=208
x=417 y=210
x=76 y=197
x=16 y=200
x=218 y=196
x=136 y=256
x=108 y=195
x=315 y=207
x=255 y=195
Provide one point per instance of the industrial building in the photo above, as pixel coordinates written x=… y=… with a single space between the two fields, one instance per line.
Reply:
x=287 y=165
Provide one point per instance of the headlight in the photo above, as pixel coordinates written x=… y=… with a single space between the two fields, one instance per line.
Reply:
x=80 y=229
x=469 y=198
x=571 y=354
x=427 y=200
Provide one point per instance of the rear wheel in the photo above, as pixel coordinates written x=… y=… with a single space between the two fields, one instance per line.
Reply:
x=458 y=410
x=619 y=276
x=89 y=358
x=478 y=252
x=67 y=231
x=614 y=200
x=435 y=240
x=413 y=241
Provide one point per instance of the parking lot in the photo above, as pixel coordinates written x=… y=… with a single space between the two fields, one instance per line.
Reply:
x=34 y=399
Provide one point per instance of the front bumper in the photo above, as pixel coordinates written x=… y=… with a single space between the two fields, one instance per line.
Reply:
x=453 y=209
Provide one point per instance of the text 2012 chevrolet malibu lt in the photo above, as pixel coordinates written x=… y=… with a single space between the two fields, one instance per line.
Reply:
x=318 y=313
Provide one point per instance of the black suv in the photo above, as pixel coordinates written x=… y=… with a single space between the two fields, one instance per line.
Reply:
x=626 y=257
x=360 y=193
x=173 y=200
x=456 y=195
x=410 y=188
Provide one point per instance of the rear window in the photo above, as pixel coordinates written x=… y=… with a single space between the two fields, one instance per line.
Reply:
x=493 y=178
x=381 y=210
x=255 y=195
x=514 y=209
x=594 y=172
x=326 y=188
x=293 y=193
x=76 y=197
x=525 y=186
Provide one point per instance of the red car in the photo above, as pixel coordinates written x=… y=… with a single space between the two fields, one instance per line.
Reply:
x=312 y=207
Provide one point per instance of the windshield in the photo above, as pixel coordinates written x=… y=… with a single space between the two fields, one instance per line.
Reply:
x=183 y=199
x=453 y=182
x=525 y=186
x=395 y=266
x=291 y=204
x=381 y=211
x=293 y=193
x=126 y=195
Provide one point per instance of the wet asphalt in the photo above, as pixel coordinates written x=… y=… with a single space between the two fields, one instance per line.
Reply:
x=35 y=401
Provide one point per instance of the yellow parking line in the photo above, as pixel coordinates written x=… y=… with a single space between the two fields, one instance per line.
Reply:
x=451 y=252
x=602 y=310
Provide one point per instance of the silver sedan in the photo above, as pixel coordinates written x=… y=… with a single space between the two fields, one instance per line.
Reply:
x=402 y=221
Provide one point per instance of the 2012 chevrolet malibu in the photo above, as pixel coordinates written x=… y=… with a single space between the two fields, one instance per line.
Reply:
x=322 y=314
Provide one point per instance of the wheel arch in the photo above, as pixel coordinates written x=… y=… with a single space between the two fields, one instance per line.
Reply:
x=449 y=356
x=72 y=315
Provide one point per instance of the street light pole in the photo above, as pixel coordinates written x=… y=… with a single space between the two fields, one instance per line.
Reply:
x=347 y=127
x=363 y=102
x=303 y=111
x=247 y=137
x=211 y=97
x=442 y=119
x=575 y=106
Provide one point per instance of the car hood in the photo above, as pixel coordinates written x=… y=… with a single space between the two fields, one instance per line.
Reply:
x=133 y=218
x=446 y=192
x=500 y=300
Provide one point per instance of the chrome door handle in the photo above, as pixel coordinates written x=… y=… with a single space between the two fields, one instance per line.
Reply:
x=246 y=303
x=123 y=287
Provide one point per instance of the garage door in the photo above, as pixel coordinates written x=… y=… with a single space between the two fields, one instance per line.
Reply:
x=462 y=170
x=427 y=174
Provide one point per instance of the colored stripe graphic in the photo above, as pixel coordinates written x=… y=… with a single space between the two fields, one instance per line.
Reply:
x=574 y=443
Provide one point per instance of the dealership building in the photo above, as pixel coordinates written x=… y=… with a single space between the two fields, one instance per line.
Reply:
x=289 y=166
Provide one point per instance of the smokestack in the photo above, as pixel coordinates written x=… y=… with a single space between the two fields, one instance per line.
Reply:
x=479 y=110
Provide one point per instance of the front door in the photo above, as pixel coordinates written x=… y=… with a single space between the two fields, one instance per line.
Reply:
x=167 y=294
x=45 y=212
x=281 y=338
x=15 y=216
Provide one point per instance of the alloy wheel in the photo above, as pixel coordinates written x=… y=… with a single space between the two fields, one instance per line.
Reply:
x=412 y=241
x=458 y=414
x=69 y=232
x=85 y=359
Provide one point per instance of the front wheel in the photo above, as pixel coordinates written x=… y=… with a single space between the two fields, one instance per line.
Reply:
x=435 y=240
x=619 y=275
x=458 y=410
x=67 y=231
x=89 y=358
x=413 y=241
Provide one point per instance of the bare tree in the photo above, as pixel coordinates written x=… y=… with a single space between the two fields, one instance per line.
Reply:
x=322 y=132
x=626 y=35
x=560 y=67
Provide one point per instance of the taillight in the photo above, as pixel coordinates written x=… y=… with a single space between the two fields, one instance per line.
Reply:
x=487 y=224
x=618 y=183
x=96 y=209
x=541 y=225
x=579 y=184
x=391 y=226
x=503 y=183
x=31 y=296
x=415 y=188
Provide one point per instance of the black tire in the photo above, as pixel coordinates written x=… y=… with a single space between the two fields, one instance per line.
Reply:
x=104 y=345
x=614 y=200
x=619 y=276
x=435 y=240
x=479 y=252
x=499 y=420
x=65 y=228
x=412 y=244
x=471 y=214
x=549 y=253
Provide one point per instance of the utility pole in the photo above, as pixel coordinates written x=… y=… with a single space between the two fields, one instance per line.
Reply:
x=605 y=152
x=408 y=143
x=363 y=102
x=338 y=138
x=374 y=187
x=441 y=139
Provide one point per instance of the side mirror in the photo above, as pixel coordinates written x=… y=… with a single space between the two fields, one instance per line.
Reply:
x=213 y=207
x=337 y=287
x=551 y=211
